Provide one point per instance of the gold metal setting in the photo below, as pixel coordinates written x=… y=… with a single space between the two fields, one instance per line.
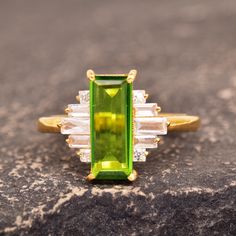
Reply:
x=131 y=76
x=91 y=75
x=157 y=140
x=78 y=153
x=77 y=98
x=158 y=109
x=67 y=110
x=133 y=176
x=90 y=177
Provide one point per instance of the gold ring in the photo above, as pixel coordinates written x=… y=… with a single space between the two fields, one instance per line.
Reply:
x=112 y=126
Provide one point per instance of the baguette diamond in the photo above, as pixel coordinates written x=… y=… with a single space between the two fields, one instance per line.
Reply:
x=147 y=109
x=151 y=125
x=145 y=141
x=78 y=110
x=75 y=125
x=79 y=141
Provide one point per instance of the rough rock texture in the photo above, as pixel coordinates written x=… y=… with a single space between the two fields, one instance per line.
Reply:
x=185 y=52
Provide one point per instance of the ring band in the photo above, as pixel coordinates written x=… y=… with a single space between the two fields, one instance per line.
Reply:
x=177 y=123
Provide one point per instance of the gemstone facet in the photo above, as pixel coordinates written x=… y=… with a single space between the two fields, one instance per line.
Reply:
x=111 y=124
x=78 y=110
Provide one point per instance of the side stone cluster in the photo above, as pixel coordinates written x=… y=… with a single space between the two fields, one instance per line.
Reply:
x=147 y=126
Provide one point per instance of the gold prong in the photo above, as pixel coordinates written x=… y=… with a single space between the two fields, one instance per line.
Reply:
x=78 y=153
x=90 y=177
x=68 y=141
x=91 y=75
x=168 y=123
x=158 y=109
x=146 y=153
x=131 y=76
x=146 y=96
x=67 y=110
x=77 y=98
x=133 y=176
x=157 y=140
x=134 y=111
x=59 y=125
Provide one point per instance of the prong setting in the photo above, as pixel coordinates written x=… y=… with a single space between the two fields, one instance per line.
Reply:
x=131 y=76
x=157 y=140
x=158 y=109
x=133 y=176
x=67 y=110
x=90 y=177
x=59 y=125
x=78 y=98
x=91 y=75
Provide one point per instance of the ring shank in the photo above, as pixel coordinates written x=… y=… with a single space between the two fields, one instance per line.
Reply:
x=177 y=123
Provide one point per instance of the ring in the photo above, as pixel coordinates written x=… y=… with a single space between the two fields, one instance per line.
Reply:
x=112 y=126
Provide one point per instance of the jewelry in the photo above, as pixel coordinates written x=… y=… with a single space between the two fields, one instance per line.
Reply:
x=112 y=125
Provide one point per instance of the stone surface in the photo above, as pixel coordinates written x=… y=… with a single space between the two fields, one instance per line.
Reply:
x=185 y=53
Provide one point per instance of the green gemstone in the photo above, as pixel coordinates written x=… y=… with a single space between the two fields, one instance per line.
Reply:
x=111 y=127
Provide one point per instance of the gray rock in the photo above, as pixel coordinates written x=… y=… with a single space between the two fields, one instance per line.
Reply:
x=185 y=53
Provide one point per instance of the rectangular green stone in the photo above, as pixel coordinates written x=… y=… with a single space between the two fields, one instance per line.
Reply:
x=111 y=127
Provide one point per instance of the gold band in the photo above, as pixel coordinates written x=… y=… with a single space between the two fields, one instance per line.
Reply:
x=177 y=123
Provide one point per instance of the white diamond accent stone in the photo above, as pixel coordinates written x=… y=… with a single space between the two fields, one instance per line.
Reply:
x=78 y=110
x=145 y=141
x=79 y=141
x=139 y=96
x=144 y=110
x=150 y=125
x=140 y=155
x=75 y=125
x=85 y=155
x=84 y=96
